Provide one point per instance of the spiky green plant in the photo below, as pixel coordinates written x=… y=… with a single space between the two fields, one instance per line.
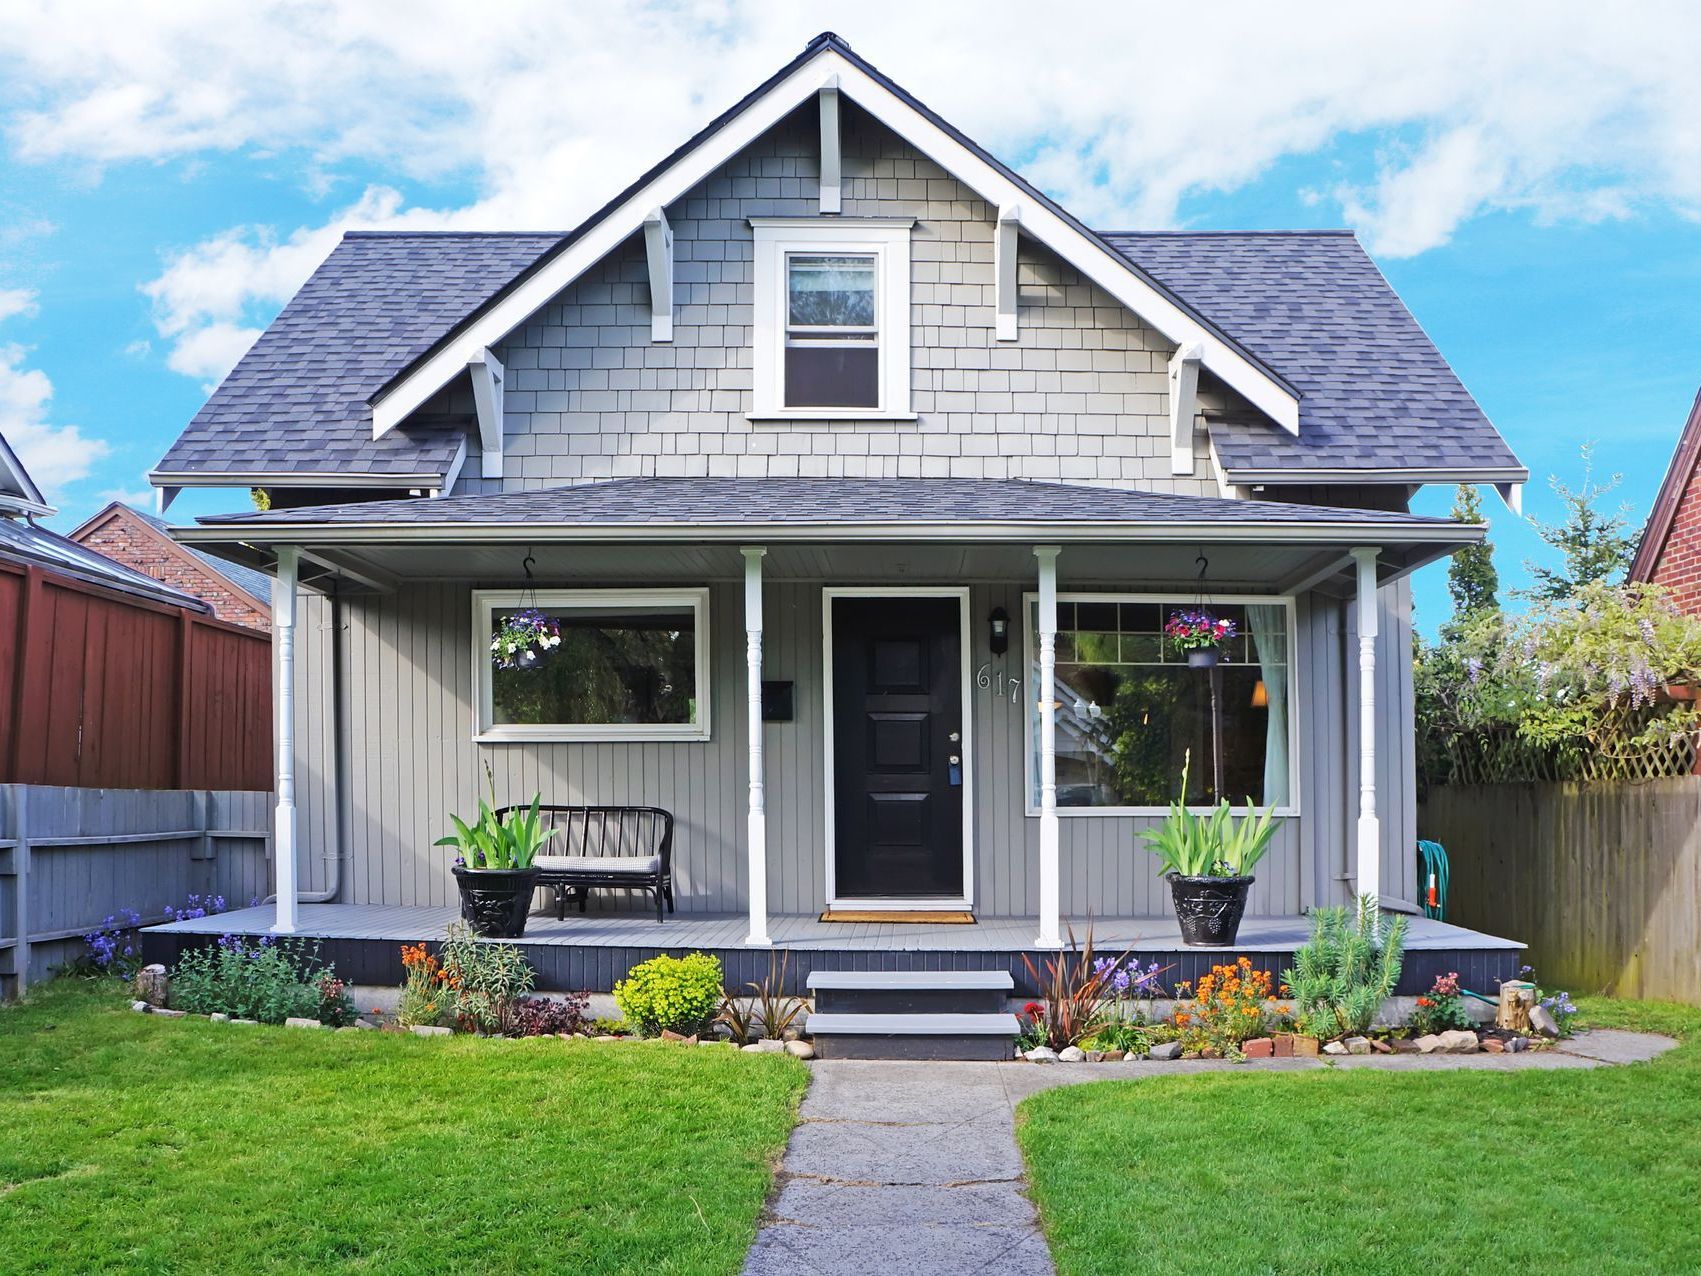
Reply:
x=1345 y=971
x=1214 y=845
x=509 y=841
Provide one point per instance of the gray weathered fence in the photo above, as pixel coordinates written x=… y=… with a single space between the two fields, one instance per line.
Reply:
x=69 y=858
x=1602 y=881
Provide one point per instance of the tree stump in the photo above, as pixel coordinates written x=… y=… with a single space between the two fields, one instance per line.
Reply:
x=152 y=985
x=1516 y=998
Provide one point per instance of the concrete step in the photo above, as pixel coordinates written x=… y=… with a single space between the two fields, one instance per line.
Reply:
x=911 y=991
x=913 y=1036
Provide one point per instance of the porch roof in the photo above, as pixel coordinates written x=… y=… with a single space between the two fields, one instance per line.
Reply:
x=956 y=528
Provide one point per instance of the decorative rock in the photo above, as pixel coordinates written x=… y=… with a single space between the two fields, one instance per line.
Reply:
x=169 y=1014
x=607 y=1036
x=1283 y=1045
x=152 y=984
x=1517 y=1044
x=366 y=1025
x=1167 y=1050
x=716 y=1041
x=1381 y=1046
x=1095 y=1056
x=1357 y=1045
x=140 y=1007
x=215 y=1017
x=1542 y=1020
x=1428 y=1043
x=1259 y=1048
x=1304 y=1047
x=1405 y=1045
x=312 y=1023
x=668 y=1034
x=1209 y=1052
x=1071 y=1054
x=348 y=1027
x=1458 y=1041
x=420 y=1029
x=1115 y=1056
x=1335 y=1047
x=251 y=1023
x=1042 y=1054
x=800 y=1050
x=1494 y=1045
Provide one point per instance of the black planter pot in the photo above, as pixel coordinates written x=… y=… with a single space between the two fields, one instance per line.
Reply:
x=1202 y=658
x=1209 y=909
x=495 y=901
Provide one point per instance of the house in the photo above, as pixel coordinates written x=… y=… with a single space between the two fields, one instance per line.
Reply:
x=1669 y=553
x=859 y=479
x=114 y=679
x=143 y=542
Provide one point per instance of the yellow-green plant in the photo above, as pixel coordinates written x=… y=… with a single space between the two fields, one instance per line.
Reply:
x=675 y=994
x=1213 y=845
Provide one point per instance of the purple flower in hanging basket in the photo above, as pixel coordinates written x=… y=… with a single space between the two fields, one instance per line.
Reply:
x=1197 y=630
x=522 y=638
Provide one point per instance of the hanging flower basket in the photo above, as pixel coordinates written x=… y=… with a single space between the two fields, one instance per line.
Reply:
x=524 y=638
x=1199 y=634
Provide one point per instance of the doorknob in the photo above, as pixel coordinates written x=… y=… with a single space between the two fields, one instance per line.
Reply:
x=955 y=736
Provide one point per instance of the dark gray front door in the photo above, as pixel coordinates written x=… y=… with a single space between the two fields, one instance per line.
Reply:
x=897 y=748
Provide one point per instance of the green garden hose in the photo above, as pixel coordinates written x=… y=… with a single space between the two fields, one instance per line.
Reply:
x=1432 y=878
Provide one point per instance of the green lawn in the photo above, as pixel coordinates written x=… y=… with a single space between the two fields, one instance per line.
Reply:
x=1368 y=1171
x=134 y=1144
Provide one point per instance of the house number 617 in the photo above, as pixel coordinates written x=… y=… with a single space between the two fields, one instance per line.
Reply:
x=989 y=679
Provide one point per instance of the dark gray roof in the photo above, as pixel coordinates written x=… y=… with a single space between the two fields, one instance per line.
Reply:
x=257 y=585
x=1375 y=392
x=828 y=501
x=297 y=401
x=24 y=542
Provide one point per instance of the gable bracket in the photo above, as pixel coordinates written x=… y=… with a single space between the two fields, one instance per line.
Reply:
x=1183 y=406
x=487 y=375
x=1513 y=495
x=1004 y=260
x=831 y=178
x=658 y=248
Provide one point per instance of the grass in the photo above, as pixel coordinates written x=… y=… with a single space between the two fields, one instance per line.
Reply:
x=1370 y=1171
x=133 y=1144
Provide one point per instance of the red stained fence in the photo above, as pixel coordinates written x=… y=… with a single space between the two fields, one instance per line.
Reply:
x=101 y=690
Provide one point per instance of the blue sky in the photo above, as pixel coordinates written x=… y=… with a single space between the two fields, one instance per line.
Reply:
x=169 y=179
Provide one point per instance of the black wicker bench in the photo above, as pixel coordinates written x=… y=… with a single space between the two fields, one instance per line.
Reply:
x=607 y=848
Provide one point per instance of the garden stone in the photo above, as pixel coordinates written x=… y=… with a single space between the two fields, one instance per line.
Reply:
x=1259 y=1048
x=152 y=984
x=419 y=1029
x=718 y=1041
x=216 y=1017
x=1405 y=1045
x=1428 y=1043
x=1517 y=1044
x=1381 y=1046
x=252 y=1023
x=1305 y=1047
x=348 y=1028
x=1166 y=1050
x=140 y=1007
x=1071 y=1054
x=1282 y=1046
x=1494 y=1045
x=1458 y=1041
x=169 y=1014
x=769 y=1046
x=366 y=1025
x=606 y=1036
x=1042 y=1054
x=1335 y=1047
x=302 y=1023
x=800 y=1050
x=1095 y=1056
x=1357 y=1045
x=1542 y=1020
x=1115 y=1056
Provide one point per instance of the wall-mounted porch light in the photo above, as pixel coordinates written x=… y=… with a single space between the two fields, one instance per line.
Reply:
x=998 y=627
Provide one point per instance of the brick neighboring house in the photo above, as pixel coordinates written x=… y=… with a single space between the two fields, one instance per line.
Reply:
x=143 y=543
x=1670 y=552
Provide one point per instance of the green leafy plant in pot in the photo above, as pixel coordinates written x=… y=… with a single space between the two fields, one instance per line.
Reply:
x=495 y=869
x=1208 y=859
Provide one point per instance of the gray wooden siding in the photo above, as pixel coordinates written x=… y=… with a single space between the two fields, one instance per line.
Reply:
x=411 y=759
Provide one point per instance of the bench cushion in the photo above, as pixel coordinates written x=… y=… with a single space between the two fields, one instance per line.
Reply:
x=637 y=864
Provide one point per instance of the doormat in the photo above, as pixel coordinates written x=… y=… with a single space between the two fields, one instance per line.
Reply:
x=917 y=918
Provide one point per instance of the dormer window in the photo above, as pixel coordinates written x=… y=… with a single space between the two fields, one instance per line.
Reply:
x=832 y=322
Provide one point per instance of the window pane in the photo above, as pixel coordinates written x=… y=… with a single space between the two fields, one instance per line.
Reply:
x=832 y=375
x=614 y=665
x=1130 y=713
x=830 y=292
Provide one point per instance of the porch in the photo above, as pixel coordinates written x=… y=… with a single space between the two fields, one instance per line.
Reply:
x=589 y=952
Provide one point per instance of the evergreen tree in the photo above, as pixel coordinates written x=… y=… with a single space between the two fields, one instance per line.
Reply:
x=1594 y=547
x=1472 y=580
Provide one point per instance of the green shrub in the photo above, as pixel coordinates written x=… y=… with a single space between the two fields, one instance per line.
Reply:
x=485 y=980
x=260 y=979
x=677 y=994
x=1346 y=969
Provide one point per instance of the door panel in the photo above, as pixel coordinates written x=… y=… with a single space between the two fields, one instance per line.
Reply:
x=897 y=713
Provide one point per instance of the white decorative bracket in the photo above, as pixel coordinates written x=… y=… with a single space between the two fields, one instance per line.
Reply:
x=1513 y=495
x=1004 y=263
x=1183 y=406
x=487 y=375
x=658 y=247
x=163 y=497
x=831 y=176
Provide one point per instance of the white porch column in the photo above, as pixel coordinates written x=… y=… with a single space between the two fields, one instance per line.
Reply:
x=757 y=818
x=1050 y=923
x=1369 y=828
x=283 y=712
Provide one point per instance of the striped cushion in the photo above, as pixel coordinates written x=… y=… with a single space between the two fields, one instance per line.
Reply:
x=599 y=863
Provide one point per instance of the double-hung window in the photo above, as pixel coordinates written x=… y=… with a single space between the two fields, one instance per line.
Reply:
x=832 y=321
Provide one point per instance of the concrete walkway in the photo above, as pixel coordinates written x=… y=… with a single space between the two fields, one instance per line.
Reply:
x=913 y=1167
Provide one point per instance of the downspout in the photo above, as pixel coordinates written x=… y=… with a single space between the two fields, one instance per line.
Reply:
x=339 y=788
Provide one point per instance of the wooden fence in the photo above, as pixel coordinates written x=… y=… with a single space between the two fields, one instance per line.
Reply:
x=103 y=689
x=1601 y=881
x=69 y=858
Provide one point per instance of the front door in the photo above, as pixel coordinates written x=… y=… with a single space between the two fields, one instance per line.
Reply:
x=897 y=748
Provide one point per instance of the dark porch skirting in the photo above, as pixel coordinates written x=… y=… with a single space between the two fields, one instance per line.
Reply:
x=592 y=951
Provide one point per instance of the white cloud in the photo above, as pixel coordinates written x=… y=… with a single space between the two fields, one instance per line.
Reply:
x=16 y=301
x=54 y=455
x=1434 y=114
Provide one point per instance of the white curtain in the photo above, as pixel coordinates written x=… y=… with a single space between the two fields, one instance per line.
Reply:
x=1270 y=637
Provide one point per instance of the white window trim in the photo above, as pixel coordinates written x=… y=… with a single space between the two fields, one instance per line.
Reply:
x=888 y=239
x=1031 y=693
x=486 y=602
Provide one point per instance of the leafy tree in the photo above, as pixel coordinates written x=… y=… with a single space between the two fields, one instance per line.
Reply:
x=1595 y=547
x=1472 y=581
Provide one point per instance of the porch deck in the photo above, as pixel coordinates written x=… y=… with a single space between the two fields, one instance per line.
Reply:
x=592 y=950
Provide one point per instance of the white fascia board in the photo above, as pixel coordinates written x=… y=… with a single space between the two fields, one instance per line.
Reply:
x=1088 y=254
x=1004 y=245
x=487 y=376
x=831 y=167
x=289 y=478
x=658 y=252
x=1183 y=406
x=1372 y=475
